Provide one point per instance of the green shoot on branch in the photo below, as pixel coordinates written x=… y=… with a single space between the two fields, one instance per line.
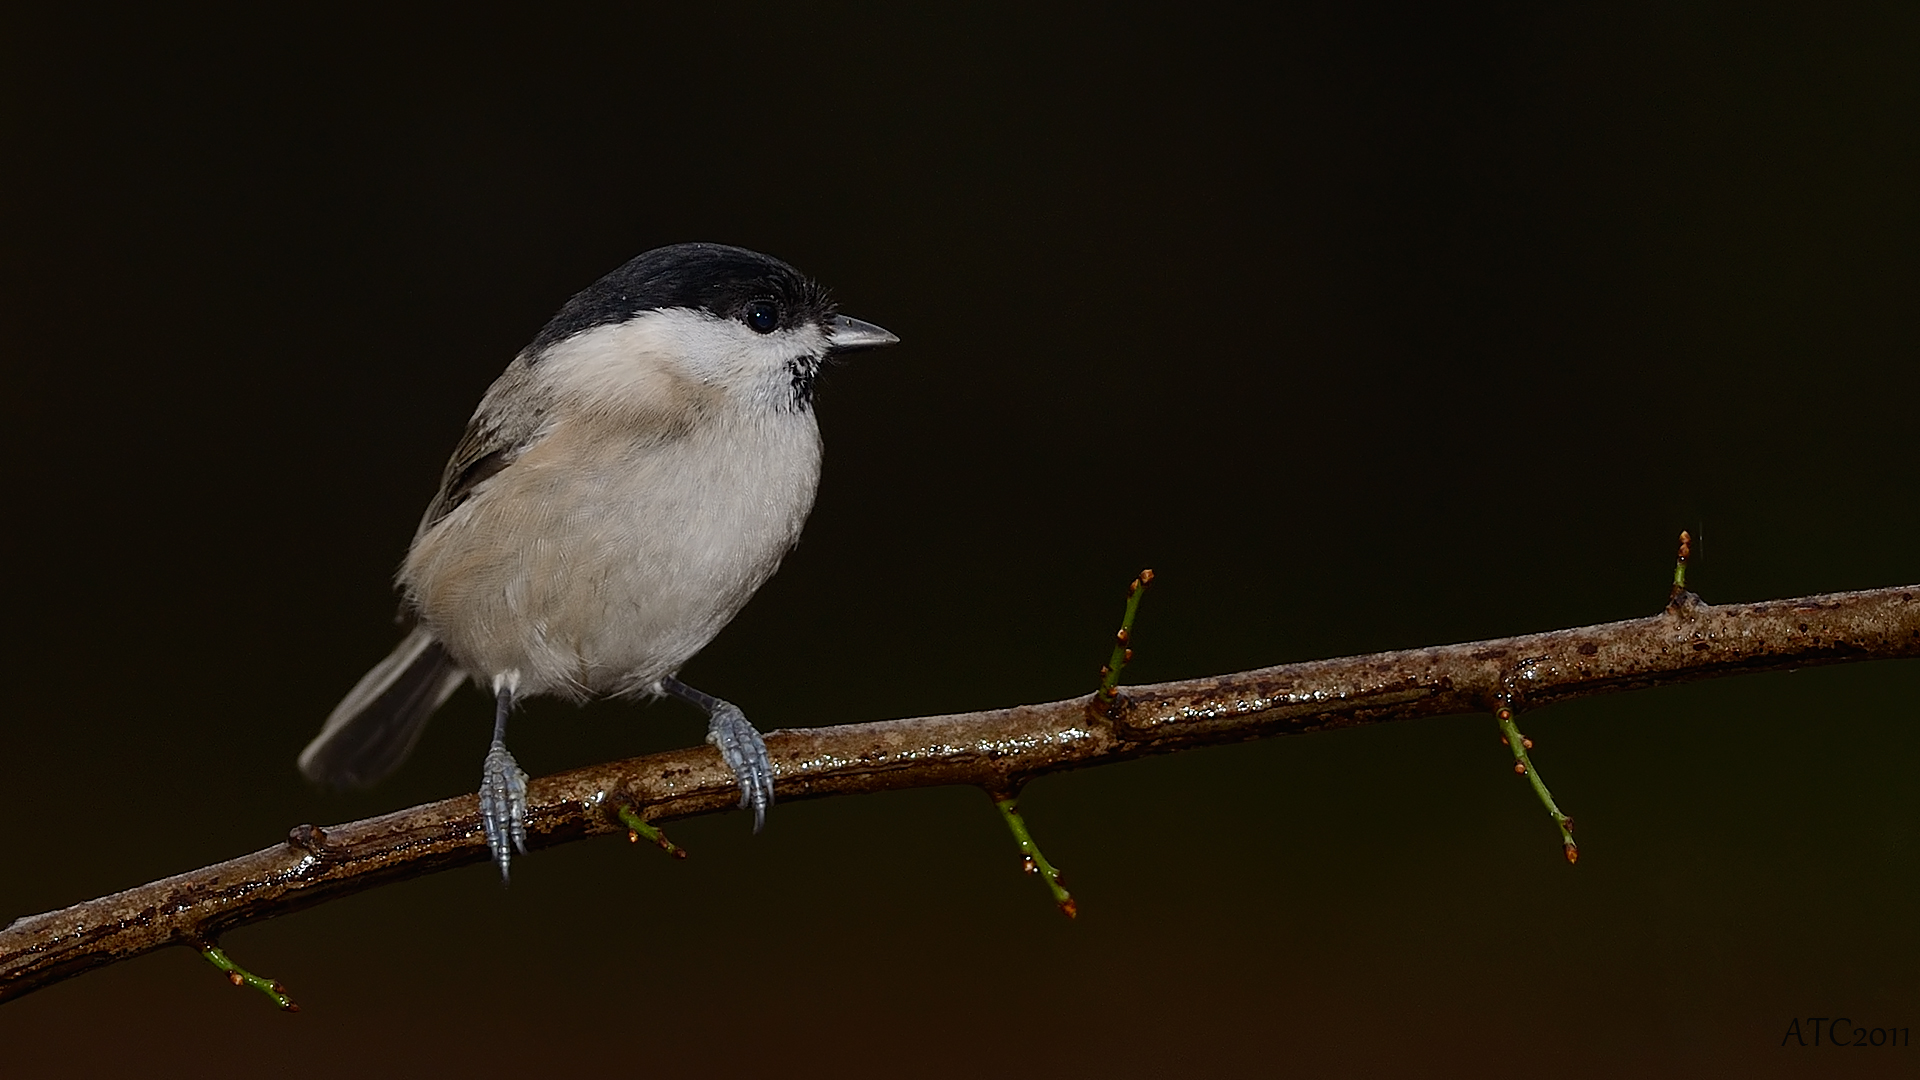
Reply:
x=1680 y=568
x=240 y=976
x=1520 y=744
x=1122 y=641
x=638 y=828
x=1031 y=859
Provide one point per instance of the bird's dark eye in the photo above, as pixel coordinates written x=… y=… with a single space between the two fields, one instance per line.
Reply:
x=763 y=316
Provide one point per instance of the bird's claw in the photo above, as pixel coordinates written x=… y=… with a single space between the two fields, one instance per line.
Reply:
x=745 y=752
x=503 y=806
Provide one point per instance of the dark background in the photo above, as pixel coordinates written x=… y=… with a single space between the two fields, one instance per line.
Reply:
x=1365 y=330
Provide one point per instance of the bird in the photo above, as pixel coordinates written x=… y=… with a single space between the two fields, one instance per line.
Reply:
x=623 y=488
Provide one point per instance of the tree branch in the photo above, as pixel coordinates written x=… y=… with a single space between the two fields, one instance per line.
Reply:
x=997 y=750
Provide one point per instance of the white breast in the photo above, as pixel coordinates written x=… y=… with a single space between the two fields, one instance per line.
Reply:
x=620 y=542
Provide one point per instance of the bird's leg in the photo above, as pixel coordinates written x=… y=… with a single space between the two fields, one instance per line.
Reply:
x=503 y=786
x=740 y=746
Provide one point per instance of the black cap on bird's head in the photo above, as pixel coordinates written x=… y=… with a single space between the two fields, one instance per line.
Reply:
x=728 y=282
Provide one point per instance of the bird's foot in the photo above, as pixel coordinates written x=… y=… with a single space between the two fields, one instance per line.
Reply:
x=503 y=805
x=745 y=752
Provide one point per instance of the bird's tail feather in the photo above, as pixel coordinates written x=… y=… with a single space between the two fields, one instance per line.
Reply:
x=374 y=727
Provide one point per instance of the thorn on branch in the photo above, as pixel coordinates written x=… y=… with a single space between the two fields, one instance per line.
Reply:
x=1511 y=737
x=1031 y=860
x=638 y=828
x=240 y=976
x=1122 y=645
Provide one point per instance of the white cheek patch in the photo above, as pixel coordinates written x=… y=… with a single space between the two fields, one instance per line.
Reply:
x=640 y=362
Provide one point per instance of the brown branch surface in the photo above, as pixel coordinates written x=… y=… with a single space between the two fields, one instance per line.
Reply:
x=997 y=750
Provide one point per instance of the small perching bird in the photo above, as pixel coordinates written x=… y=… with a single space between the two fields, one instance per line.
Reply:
x=621 y=491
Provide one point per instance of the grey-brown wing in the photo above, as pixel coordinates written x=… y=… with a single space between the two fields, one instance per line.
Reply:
x=508 y=421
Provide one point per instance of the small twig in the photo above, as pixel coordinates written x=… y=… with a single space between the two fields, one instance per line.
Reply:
x=1680 y=569
x=1520 y=744
x=1122 y=642
x=1031 y=860
x=639 y=828
x=240 y=976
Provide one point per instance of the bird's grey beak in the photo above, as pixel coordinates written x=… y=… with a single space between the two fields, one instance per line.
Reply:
x=847 y=333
